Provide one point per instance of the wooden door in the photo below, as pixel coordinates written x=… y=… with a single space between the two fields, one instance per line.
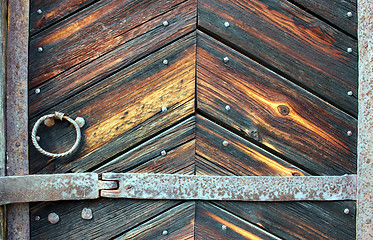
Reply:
x=207 y=87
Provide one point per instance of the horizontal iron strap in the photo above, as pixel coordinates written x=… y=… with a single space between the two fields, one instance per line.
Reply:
x=48 y=187
x=237 y=188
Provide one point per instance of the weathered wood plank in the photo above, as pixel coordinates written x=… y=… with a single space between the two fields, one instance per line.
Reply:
x=299 y=220
x=240 y=156
x=288 y=39
x=111 y=217
x=273 y=111
x=176 y=223
x=152 y=149
x=335 y=12
x=90 y=34
x=52 y=11
x=126 y=108
x=140 y=41
x=215 y=223
x=3 y=30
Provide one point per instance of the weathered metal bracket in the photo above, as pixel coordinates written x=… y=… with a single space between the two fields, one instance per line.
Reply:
x=79 y=186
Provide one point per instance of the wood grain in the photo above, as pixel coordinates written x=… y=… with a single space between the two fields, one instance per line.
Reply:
x=126 y=109
x=178 y=223
x=52 y=12
x=139 y=42
x=290 y=41
x=90 y=34
x=273 y=111
x=335 y=12
x=210 y=219
x=240 y=156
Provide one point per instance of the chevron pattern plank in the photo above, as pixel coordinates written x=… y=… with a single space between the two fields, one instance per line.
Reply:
x=198 y=87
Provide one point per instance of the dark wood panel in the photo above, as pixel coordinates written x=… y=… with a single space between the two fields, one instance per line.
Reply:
x=205 y=167
x=288 y=39
x=335 y=12
x=52 y=11
x=111 y=217
x=90 y=34
x=176 y=223
x=125 y=109
x=240 y=156
x=299 y=220
x=140 y=41
x=273 y=111
x=211 y=219
x=151 y=150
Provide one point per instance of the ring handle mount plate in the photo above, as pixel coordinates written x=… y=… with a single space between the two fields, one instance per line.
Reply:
x=78 y=123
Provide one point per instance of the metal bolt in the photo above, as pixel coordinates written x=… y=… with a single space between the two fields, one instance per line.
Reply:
x=349 y=93
x=349 y=14
x=163 y=153
x=227 y=107
x=37 y=218
x=39 y=11
x=165 y=23
x=165 y=62
x=164 y=109
x=87 y=214
x=37 y=91
x=225 y=143
x=37 y=138
x=226 y=59
x=165 y=232
x=224 y=227
x=53 y=218
x=18 y=144
x=349 y=133
x=40 y=49
x=346 y=211
x=349 y=50
x=226 y=24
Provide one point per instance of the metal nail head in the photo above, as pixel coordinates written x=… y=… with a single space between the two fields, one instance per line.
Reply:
x=80 y=121
x=226 y=59
x=164 y=109
x=346 y=211
x=53 y=218
x=163 y=153
x=349 y=93
x=349 y=14
x=226 y=24
x=40 y=49
x=37 y=218
x=165 y=23
x=227 y=107
x=349 y=50
x=164 y=232
x=87 y=214
x=39 y=11
x=225 y=143
x=224 y=227
x=165 y=62
x=37 y=138
x=349 y=133
x=37 y=91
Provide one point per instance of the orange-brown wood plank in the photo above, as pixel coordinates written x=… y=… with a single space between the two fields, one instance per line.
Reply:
x=168 y=141
x=138 y=42
x=239 y=156
x=88 y=35
x=335 y=12
x=289 y=41
x=125 y=109
x=273 y=111
x=213 y=222
x=46 y=12
x=176 y=223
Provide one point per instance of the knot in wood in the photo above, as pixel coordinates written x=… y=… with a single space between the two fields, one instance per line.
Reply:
x=283 y=110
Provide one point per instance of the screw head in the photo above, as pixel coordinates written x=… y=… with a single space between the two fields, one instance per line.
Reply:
x=225 y=143
x=165 y=62
x=349 y=133
x=349 y=93
x=37 y=91
x=226 y=59
x=164 y=109
x=165 y=23
x=163 y=153
x=346 y=211
x=39 y=11
x=226 y=24
x=87 y=214
x=53 y=218
x=223 y=227
x=165 y=232
x=349 y=50
x=40 y=49
x=349 y=14
x=227 y=107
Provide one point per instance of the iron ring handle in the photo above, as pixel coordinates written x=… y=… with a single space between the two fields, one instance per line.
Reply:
x=60 y=116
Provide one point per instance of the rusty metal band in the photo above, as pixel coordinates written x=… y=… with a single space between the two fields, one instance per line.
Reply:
x=49 y=187
x=238 y=188
x=364 y=217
